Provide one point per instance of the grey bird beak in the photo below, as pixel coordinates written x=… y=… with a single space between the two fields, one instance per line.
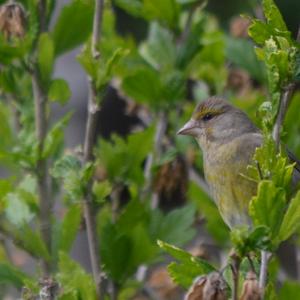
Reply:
x=188 y=128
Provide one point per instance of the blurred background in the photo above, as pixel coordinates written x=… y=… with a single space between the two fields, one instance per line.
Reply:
x=231 y=70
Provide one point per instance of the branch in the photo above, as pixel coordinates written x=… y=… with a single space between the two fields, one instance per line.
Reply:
x=196 y=178
x=93 y=108
x=42 y=6
x=265 y=258
x=283 y=106
x=155 y=156
x=43 y=179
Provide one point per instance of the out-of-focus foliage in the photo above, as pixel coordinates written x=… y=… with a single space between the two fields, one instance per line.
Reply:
x=185 y=56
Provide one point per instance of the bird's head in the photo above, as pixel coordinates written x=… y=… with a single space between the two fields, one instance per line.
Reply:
x=215 y=120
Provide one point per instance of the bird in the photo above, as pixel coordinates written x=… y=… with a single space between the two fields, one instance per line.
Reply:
x=228 y=140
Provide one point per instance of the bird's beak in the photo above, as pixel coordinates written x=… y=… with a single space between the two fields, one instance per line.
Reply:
x=189 y=128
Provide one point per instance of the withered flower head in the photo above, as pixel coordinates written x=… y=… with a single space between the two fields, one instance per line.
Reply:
x=209 y=287
x=251 y=290
x=12 y=19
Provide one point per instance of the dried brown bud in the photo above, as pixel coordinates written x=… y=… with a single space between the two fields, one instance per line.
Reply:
x=239 y=81
x=239 y=27
x=251 y=290
x=210 y=287
x=196 y=290
x=12 y=19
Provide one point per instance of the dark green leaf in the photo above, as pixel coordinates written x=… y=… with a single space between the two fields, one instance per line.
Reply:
x=289 y=290
x=291 y=219
x=188 y=268
x=159 y=49
x=175 y=227
x=10 y=274
x=73 y=26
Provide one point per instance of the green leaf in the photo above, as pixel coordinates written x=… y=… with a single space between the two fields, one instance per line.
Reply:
x=175 y=227
x=289 y=290
x=123 y=159
x=75 y=280
x=133 y=7
x=100 y=69
x=259 y=31
x=116 y=249
x=68 y=229
x=246 y=240
x=214 y=222
x=73 y=26
x=74 y=176
x=165 y=11
x=291 y=219
x=144 y=86
x=10 y=274
x=188 y=268
x=5 y=187
x=45 y=57
x=159 y=49
x=17 y=210
x=273 y=15
x=59 y=91
x=101 y=190
x=33 y=242
x=267 y=208
x=12 y=51
x=55 y=137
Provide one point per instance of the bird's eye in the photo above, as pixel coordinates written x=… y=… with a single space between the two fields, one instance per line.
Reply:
x=207 y=117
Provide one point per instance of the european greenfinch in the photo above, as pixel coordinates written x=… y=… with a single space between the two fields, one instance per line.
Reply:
x=228 y=139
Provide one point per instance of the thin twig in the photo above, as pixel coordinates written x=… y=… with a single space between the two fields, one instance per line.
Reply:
x=153 y=157
x=93 y=108
x=235 y=268
x=158 y=141
x=196 y=178
x=43 y=179
x=284 y=103
x=265 y=258
x=42 y=6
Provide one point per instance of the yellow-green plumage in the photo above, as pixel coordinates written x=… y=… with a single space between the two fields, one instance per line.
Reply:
x=225 y=168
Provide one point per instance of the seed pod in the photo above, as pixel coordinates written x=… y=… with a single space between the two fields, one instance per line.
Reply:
x=251 y=290
x=12 y=19
x=210 y=287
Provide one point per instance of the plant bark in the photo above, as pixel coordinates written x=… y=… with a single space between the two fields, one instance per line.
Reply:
x=93 y=108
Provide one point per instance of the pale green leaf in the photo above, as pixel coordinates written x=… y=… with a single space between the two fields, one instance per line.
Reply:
x=59 y=91
x=74 y=279
x=291 y=219
x=267 y=208
x=45 y=56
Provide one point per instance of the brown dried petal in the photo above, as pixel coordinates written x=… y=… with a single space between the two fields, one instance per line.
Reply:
x=12 y=19
x=239 y=27
x=215 y=287
x=196 y=290
x=251 y=290
x=210 y=287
